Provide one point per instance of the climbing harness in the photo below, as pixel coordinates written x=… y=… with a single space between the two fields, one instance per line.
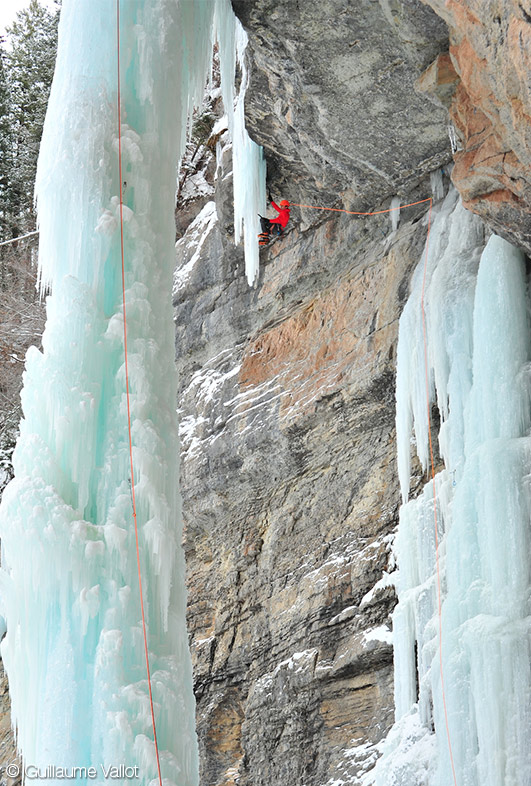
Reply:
x=133 y=499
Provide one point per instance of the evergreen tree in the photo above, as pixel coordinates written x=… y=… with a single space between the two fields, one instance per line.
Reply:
x=5 y=142
x=27 y=59
x=29 y=65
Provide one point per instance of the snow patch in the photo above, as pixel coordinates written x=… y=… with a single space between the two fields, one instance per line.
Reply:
x=381 y=633
x=194 y=238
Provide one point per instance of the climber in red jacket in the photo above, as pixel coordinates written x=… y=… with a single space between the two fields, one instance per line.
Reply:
x=283 y=214
x=274 y=225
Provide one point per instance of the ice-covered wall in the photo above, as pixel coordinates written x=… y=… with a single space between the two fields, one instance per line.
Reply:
x=74 y=649
x=478 y=352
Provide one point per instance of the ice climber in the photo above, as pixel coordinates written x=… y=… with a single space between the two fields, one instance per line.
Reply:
x=276 y=225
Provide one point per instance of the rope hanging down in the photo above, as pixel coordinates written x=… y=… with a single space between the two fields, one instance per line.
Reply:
x=127 y=394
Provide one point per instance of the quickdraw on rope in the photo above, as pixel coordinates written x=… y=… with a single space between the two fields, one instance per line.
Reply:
x=133 y=499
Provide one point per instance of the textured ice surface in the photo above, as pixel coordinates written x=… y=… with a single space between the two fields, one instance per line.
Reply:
x=69 y=586
x=394 y=215
x=437 y=184
x=249 y=168
x=478 y=375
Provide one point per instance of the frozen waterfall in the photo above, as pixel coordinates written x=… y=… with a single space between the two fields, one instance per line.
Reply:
x=74 y=649
x=479 y=348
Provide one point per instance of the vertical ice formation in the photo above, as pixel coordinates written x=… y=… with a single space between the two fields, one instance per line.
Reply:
x=248 y=162
x=437 y=184
x=394 y=215
x=478 y=354
x=69 y=584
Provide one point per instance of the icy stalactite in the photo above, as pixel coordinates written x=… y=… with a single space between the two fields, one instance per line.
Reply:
x=249 y=174
x=478 y=355
x=248 y=162
x=69 y=584
x=455 y=243
x=394 y=215
x=437 y=184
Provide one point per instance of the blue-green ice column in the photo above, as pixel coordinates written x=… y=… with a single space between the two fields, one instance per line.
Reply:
x=69 y=585
x=463 y=679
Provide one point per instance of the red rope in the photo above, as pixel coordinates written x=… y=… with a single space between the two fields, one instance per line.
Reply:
x=128 y=397
x=438 y=572
x=357 y=213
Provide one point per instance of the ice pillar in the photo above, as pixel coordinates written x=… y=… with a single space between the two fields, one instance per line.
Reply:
x=248 y=162
x=69 y=584
x=479 y=348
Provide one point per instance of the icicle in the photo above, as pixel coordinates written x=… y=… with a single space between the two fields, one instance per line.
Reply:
x=249 y=174
x=437 y=185
x=249 y=168
x=479 y=352
x=395 y=213
x=455 y=243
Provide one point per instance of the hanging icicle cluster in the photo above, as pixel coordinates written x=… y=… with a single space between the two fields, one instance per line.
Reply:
x=476 y=658
x=69 y=585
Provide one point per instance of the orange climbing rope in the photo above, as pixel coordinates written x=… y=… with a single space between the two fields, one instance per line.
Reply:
x=358 y=213
x=437 y=566
x=128 y=397
x=293 y=204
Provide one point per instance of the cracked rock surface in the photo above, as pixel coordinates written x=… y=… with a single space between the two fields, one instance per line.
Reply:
x=490 y=52
x=290 y=495
x=332 y=96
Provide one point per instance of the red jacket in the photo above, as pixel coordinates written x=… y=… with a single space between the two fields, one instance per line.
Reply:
x=283 y=215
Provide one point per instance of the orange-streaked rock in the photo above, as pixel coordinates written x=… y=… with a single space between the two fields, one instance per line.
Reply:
x=439 y=81
x=490 y=48
x=338 y=334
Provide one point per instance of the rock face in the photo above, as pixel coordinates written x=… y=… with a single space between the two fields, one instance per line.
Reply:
x=332 y=96
x=289 y=490
x=290 y=495
x=490 y=50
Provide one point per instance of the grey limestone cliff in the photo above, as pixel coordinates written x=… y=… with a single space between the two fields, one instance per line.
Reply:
x=332 y=96
x=288 y=474
x=290 y=494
